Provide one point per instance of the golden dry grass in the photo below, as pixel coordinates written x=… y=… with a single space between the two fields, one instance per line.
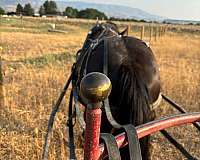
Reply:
x=37 y=63
x=179 y=60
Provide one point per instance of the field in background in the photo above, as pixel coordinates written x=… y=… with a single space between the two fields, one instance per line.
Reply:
x=36 y=63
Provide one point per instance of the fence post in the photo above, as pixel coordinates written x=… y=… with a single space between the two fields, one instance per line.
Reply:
x=162 y=31
x=1 y=85
x=165 y=30
x=150 y=32
x=159 y=31
x=142 y=33
x=156 y=33
x=129 y=28
x=21 y=18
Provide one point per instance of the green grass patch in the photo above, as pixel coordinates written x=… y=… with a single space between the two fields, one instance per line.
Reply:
x=48 y=59
x=28 y=25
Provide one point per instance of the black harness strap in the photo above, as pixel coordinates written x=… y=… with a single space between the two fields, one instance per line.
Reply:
x=133 y=142
x=105 y=57
x=71 y=128
x=109 y=115
x=79 y=114
x=111 y=146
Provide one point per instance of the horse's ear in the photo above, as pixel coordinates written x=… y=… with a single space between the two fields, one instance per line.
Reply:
x=125 y=31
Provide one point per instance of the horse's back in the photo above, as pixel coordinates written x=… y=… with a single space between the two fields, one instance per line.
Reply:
x=134 y=54
x=143 y=60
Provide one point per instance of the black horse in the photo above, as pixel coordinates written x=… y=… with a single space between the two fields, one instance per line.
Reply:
x=133 y=71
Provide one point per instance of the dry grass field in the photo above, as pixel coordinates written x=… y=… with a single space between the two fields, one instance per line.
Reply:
x=36 y=64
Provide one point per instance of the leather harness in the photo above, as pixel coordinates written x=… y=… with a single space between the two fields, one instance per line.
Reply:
x=112 y=149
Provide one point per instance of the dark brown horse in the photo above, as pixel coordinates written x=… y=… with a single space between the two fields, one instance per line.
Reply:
x=133 y=72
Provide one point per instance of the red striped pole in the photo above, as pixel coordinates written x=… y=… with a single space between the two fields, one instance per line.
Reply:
x=92 y=132
x=95 y=87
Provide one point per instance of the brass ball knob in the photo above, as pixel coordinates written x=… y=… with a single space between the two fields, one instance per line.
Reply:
x=95 y=87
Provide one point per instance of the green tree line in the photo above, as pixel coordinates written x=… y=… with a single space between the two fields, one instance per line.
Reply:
x=50 y=8
x=88 y=13
x=27 y=10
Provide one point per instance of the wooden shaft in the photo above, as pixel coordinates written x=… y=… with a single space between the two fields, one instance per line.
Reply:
x=142 y=32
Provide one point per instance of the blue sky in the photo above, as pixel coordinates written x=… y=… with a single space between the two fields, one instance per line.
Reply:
x=176 y=9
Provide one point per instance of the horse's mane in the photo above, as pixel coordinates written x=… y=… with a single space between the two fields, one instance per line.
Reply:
x=115 y=28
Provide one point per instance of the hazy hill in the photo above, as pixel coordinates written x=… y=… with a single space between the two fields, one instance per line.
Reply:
x=174 y=21
x=110 y=10
x=114 y=10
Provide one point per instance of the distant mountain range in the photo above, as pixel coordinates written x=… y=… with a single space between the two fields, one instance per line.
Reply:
x=110 y=10
x=115 y=10
x=174 y=21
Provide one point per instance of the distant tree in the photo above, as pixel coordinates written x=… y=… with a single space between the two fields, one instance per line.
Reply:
x=142 y=20
x=2 y=11
x=19 y=9
x=70 y=12
x=50 y=7
x=91 y=13
x=59 y=13
x=28 y=10
x=164 y=22
x=11 y=13
x=42 y=11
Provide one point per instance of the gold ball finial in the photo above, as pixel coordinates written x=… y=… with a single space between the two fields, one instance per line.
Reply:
x=95 y=87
